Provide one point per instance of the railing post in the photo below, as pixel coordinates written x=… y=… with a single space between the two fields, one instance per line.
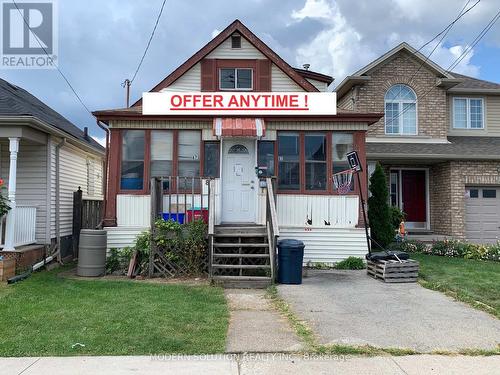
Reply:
x=77 y=220
x=156 y=206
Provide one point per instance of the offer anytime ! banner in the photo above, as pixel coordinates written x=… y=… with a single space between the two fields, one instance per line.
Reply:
x=239 y=103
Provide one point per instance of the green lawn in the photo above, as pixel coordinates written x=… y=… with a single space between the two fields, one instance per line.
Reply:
x=46 y=315
x=473 y=281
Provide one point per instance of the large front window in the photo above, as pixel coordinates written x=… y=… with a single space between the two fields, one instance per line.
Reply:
x=468 y=113
x=400 y=111
x=307 y=160
x=173 y=153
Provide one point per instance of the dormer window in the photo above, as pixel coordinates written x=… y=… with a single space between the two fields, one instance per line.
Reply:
x=235 y=41
x=400 y=111
x=235 y=79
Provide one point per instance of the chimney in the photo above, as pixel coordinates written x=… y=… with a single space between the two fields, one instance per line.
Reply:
x=86 y=133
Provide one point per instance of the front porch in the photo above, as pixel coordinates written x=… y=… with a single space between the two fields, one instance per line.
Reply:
x=23 y=170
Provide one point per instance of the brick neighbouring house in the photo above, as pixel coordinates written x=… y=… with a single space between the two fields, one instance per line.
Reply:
x=439 y=142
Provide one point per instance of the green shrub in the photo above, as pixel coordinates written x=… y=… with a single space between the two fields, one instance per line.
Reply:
x=351 y=263
x=379 y=214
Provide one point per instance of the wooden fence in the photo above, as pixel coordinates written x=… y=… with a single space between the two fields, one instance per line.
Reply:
x=87 y=214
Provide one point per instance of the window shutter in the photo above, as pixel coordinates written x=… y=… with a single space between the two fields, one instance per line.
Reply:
x=263 y=80
x=208 y=76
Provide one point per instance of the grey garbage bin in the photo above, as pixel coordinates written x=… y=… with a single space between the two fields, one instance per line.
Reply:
x=290 y=259
x=92 y=253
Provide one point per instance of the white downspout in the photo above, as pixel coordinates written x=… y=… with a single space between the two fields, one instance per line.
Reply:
x=11 y=216
x=58 y=221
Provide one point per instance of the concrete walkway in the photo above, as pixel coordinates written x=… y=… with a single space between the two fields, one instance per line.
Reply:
x=255 y=326
x=348 y=307
x=250 y=364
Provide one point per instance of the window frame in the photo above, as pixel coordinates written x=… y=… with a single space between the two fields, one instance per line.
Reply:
x=147 y=160
x=467 y=113
x=330 y=190
x=236 y=78
x=400 y=103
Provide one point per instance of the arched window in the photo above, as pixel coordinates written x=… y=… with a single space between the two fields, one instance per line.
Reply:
x=238 y=149
x=400 y=110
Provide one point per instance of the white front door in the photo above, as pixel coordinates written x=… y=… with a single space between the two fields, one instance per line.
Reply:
x=239 y=182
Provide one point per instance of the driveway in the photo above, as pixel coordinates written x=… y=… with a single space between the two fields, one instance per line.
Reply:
x=348 y=307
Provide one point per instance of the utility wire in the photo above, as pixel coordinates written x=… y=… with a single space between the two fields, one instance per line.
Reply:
x=149 y=41
x=53 y=62
x=458 y=59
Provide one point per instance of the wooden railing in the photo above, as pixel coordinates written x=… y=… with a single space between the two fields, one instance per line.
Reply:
x=272 y=226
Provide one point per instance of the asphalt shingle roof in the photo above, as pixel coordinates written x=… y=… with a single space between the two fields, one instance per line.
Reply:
x=474 y=83
x=15 y=101
x=459 y=147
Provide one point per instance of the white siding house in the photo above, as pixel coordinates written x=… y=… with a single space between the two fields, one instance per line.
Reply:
x=35 y=143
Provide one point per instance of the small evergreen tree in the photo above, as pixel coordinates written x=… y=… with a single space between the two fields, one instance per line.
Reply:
x=379 y=214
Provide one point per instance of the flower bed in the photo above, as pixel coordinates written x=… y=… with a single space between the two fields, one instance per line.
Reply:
x=452 y=248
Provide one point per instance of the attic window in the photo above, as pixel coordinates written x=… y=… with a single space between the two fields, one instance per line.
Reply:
x=235 y=41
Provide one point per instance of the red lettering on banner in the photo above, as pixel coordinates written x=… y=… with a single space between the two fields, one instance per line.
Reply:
x=176 y=101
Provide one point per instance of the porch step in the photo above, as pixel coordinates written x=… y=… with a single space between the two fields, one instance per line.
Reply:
x=243 y=235
x=241 y=282
x=242 y=266
x=223 y=255
x=244 y=230
x=241 y=244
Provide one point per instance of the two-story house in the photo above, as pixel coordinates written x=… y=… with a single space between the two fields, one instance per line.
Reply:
x=439 y=142
x=301 y=151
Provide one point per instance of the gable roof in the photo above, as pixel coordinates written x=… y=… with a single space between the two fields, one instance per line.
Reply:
x=236 y=26
x=15 y=101
x=349 y=81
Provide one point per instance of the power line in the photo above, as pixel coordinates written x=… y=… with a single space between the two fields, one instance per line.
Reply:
x=458 y=59
x=50 y=58
x=443 y=33
x=149 y=41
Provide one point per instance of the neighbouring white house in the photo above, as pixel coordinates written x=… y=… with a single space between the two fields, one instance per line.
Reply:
x=299 y=152
x=44 y=158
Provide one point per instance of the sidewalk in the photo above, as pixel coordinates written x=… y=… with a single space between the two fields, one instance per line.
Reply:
x=286 y=364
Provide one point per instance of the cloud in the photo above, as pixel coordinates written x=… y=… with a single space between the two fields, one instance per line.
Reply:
x=353 y=36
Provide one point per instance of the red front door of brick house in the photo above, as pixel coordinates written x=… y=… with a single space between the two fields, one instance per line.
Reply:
x=414 y=195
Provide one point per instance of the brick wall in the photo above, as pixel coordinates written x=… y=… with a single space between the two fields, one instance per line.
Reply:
x=431 y=108
x=468 y=173
x=440 y=198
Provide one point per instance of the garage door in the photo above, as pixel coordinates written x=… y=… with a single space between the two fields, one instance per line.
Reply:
x=482 y=214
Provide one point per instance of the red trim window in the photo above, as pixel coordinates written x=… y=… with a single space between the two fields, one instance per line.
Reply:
x=342 y=143
x=158 y=153
x=307 y=160
x=240 y=79
x=132 y=166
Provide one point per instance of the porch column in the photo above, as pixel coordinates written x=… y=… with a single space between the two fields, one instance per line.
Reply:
x=11 y=216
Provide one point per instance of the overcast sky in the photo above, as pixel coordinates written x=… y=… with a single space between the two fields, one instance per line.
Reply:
x=101 y=42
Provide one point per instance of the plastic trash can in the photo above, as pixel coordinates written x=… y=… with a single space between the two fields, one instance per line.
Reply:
x=290 y=258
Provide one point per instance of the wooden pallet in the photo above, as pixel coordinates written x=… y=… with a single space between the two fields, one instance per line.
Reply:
x=393 y=271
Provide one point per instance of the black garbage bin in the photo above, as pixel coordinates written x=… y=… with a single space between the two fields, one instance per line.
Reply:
x=290 y=258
